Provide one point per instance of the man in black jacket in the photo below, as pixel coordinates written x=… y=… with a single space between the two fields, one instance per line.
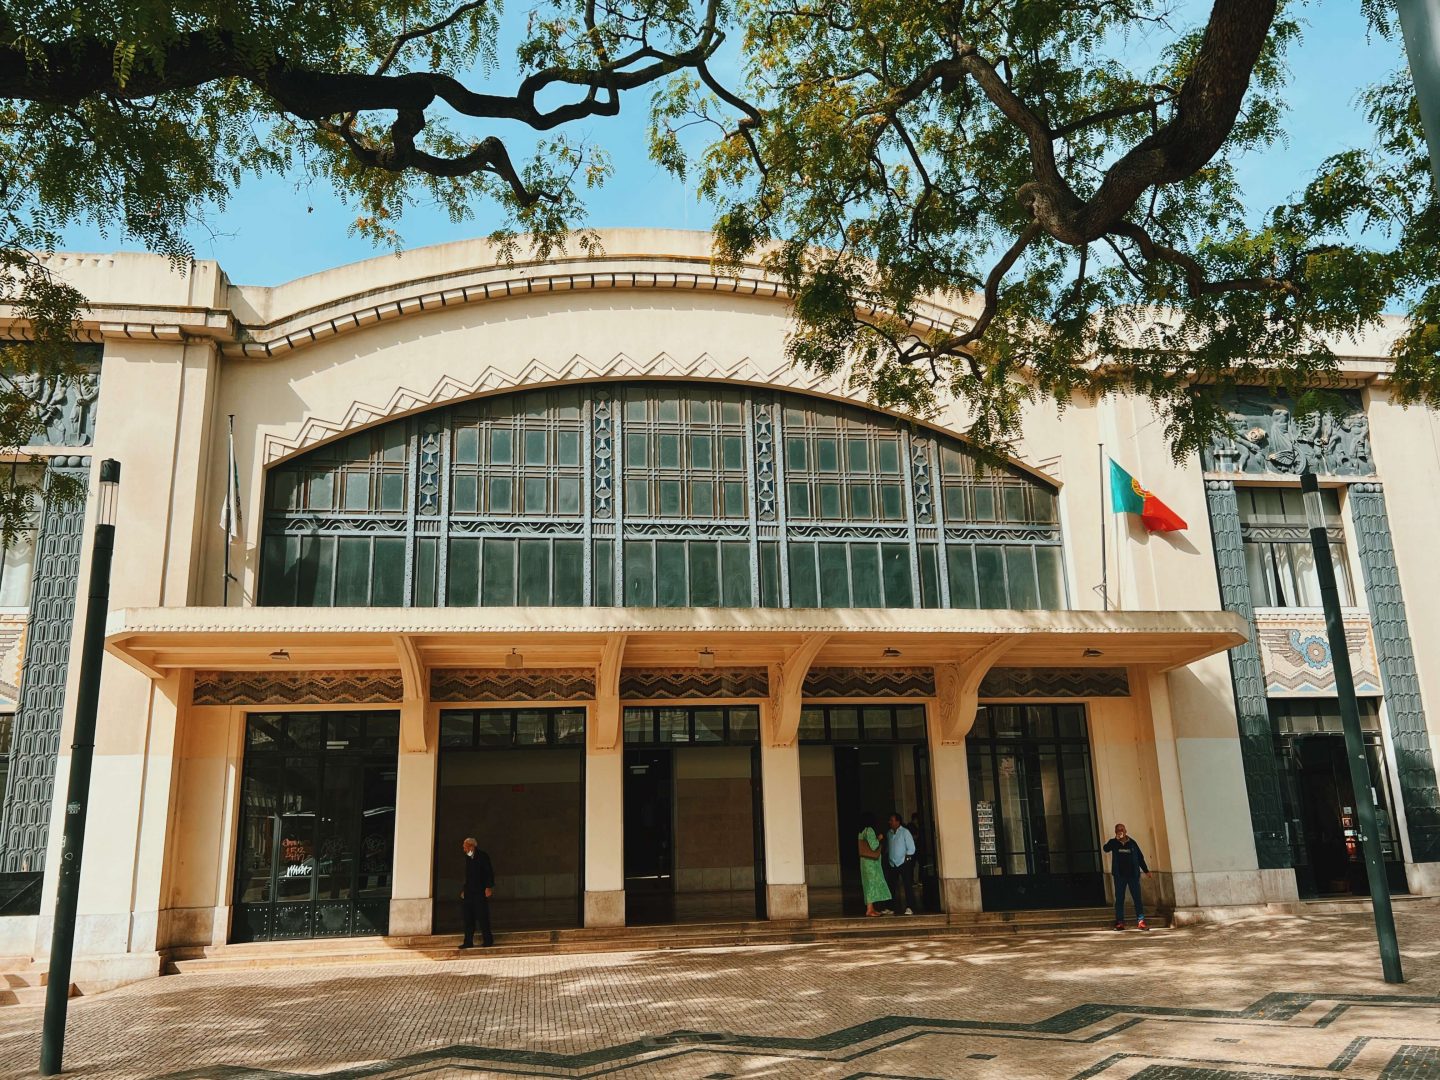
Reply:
x=1127 y=863
x=475 y=896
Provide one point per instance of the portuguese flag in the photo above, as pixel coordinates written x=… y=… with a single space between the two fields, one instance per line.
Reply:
x=1128 y=497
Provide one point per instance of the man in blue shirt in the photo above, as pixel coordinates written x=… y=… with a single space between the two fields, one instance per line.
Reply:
x=900 y=863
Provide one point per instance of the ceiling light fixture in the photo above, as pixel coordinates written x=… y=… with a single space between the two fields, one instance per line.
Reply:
x=514 y=660
x=891 y=653
x=706 y=658
x=1092 y=652
x=279 y=654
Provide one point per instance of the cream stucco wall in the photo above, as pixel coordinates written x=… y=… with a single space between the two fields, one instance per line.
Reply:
x=361 y=344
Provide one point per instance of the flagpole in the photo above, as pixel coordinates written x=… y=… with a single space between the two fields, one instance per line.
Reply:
x=1104 y=560
x=229 y=508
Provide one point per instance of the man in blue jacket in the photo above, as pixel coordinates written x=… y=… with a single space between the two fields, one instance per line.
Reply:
x=1127 y=863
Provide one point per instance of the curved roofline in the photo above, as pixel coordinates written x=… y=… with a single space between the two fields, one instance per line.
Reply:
x=276 y=320
x=290 y=453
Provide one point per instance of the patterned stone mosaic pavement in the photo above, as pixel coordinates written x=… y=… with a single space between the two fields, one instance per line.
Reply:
x=1262 y=999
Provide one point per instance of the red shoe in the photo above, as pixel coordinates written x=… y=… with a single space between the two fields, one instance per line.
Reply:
x=1141 y=925
x=1119 y=926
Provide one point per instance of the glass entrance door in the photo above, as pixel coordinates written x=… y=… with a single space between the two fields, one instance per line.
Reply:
x=317 y=825
x=1033 y=803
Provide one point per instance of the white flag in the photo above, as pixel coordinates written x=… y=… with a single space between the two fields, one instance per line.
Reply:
x=230 y=511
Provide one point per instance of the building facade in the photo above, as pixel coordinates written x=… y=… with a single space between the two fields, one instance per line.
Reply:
x=564 y=556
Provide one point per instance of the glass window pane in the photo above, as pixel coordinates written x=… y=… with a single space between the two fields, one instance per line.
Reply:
x=567 y=446
x=534 y=573
x=567 y=495
x=387 y=587
x=878 y=723
x=834 y=576
x=425 y=570
x=895 y=570
x=497 y=580
x=674 y=725
x=857 y=455
x=501 y=495
x=494 y=727
x=797 y=459
x=829 y=501
x=352 y=576
x=769 y=575
x=670 y=577
x=637 y=498
x=910 y=722
x=357 y=491
x=569 y=726
x=467 y=446
x=734 y=499
x=865 y=575
x=827 y=455
x=535 y=495
x=702 y=451
x=315 y=573
x=960 y=559
x=990 y=570
x=392 y=491
x=929 y=576
x=502 y=446
x=812 y=725
x=639 y=725
x=639 y=573
x=1014 y=503
x=888 y=453
x=733 y=450
x=463 y=584
x=709 y=725
x=670 y=498
x=1052 y=584
x=983 y=498
x=798 y=498
x=322 y=491
x=704 y=574
x=530 y=727
x=862 y=506
x=535 y=448
x=637 y=450
x=744 y=724
x=844 y=724
x=735 y=575
x=669 y=451
x=1020 y=570
x=702 y=498
x=892 y=502
x=804 y=585
x=569 y=573
x=604 y=573
x=465 y=493
x=457 y=728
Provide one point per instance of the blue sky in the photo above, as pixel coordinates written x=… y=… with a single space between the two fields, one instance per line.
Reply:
x=272 y=231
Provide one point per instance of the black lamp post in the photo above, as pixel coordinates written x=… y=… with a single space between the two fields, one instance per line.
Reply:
x=1354 y=743
x=82 y=756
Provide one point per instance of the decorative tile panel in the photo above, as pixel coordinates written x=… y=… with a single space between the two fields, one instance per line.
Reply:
x=1247 y=674
x=1295 y=653
x=1267 y=438
x=1409 y=736
x=298 y=688
x=1055 y=683
x=507 y=684
x=31 y=787
x=659 y=684
x=880 y=682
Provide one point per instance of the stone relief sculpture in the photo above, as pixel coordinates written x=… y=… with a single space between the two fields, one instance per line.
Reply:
x=1266 y=436
x=66 y=407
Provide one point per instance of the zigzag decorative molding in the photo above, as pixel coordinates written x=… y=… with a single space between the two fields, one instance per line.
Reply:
x=537 y=372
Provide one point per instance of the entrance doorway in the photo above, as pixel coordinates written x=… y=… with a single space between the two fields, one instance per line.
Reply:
x=1321 y=815
x=858 y=760
x=694 y=845
x=317 y=825
x=514 y=780
x=1033 y=801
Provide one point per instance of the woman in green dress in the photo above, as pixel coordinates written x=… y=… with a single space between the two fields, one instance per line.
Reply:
x=872 y=873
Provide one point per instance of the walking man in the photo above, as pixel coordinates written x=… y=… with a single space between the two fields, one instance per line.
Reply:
x=900 y=863
x=475 y=896
x=1127 y=863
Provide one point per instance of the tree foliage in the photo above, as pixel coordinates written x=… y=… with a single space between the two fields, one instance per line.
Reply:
x=1065 y=172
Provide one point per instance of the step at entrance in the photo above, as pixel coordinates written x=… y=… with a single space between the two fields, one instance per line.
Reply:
x=262 y=955
x=23 y=982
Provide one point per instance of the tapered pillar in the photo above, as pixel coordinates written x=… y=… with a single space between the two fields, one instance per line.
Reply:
x=412 y=903
x=604 y=835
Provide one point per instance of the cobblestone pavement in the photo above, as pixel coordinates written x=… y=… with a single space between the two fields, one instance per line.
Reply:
x=1272 y=998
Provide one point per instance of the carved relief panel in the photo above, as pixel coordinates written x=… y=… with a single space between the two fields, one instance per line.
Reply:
x=1267 y=437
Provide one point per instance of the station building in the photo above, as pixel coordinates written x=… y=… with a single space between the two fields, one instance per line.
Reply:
x=565 y=556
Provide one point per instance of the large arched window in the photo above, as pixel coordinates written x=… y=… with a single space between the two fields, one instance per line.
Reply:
x=664 y=494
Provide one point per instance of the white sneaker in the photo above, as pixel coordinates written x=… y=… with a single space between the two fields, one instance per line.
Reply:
x=909 y=912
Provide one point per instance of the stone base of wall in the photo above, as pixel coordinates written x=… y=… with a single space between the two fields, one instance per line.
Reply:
x=605 y=908
x=17 y=935
x=1423 y=878
x=411 y=918
x=787 y=901
x=95 y=974
x=960 y=894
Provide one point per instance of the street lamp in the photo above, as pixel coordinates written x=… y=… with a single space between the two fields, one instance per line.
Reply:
x=82 y=756
x=1350 y=722
x=1420 y=27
